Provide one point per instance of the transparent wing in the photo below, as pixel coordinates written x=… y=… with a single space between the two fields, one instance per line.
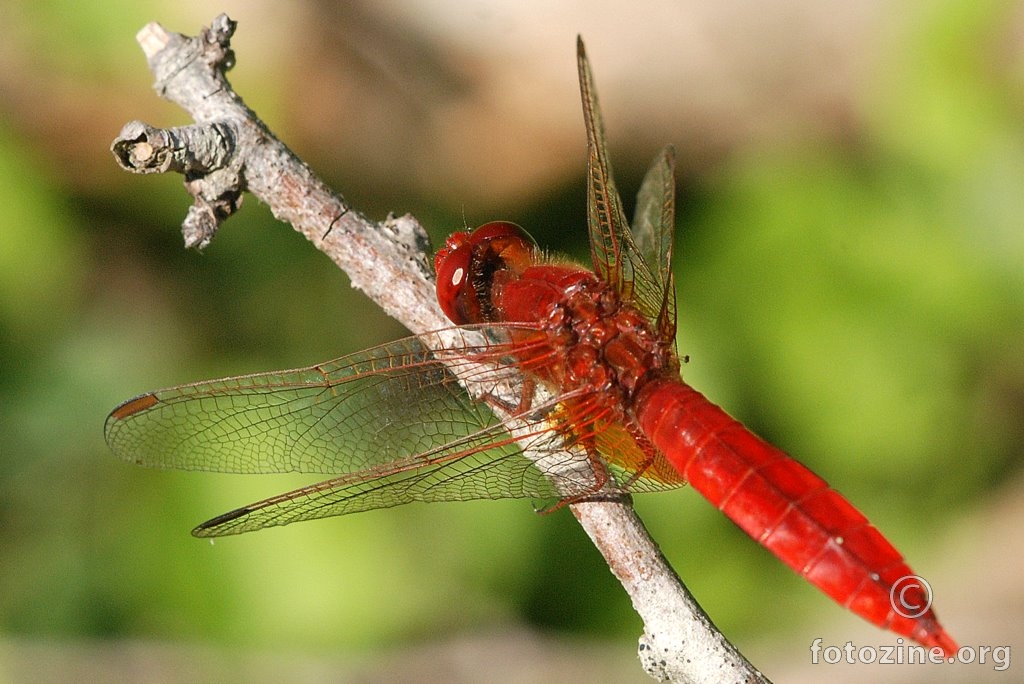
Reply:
x=391 y=424
x=357 y=412
x=618 y=258
x=654 y=232
x=485 y=464
x=606 y=219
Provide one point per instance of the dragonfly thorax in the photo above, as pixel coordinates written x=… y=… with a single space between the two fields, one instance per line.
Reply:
x=591 y=339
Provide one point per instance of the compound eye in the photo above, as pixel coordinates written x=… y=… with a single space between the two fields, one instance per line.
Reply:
x=454 y=289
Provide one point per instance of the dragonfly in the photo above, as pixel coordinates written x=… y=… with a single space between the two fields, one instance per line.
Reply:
x=582 y=366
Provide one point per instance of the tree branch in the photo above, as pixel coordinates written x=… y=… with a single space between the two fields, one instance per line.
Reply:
x=229 y=151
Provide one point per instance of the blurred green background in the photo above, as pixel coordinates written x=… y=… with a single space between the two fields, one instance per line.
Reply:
x=850 y=265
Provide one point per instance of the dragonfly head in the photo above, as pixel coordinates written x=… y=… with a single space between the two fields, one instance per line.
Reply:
x=467 y=264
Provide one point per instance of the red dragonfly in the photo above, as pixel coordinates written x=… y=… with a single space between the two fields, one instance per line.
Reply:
x=602 y=407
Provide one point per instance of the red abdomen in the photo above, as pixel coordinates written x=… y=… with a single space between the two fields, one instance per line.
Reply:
x=785 y=507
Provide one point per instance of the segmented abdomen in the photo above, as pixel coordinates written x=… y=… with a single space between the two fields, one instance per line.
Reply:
x=783 y=506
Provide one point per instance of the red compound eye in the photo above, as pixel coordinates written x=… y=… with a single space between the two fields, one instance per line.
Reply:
x=452 y=266
x=467 y=262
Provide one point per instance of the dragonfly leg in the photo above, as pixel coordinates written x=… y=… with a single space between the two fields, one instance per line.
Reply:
x=598 y=490
x=593 y=497
x=526 y=398
x=519 y=409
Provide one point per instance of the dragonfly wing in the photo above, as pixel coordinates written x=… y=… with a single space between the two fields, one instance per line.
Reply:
x=605 y=216
x=618 y=259
x=393 y=424
x=632 y=466
x=487 y=464
x=350 y=414
x=653 y=233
